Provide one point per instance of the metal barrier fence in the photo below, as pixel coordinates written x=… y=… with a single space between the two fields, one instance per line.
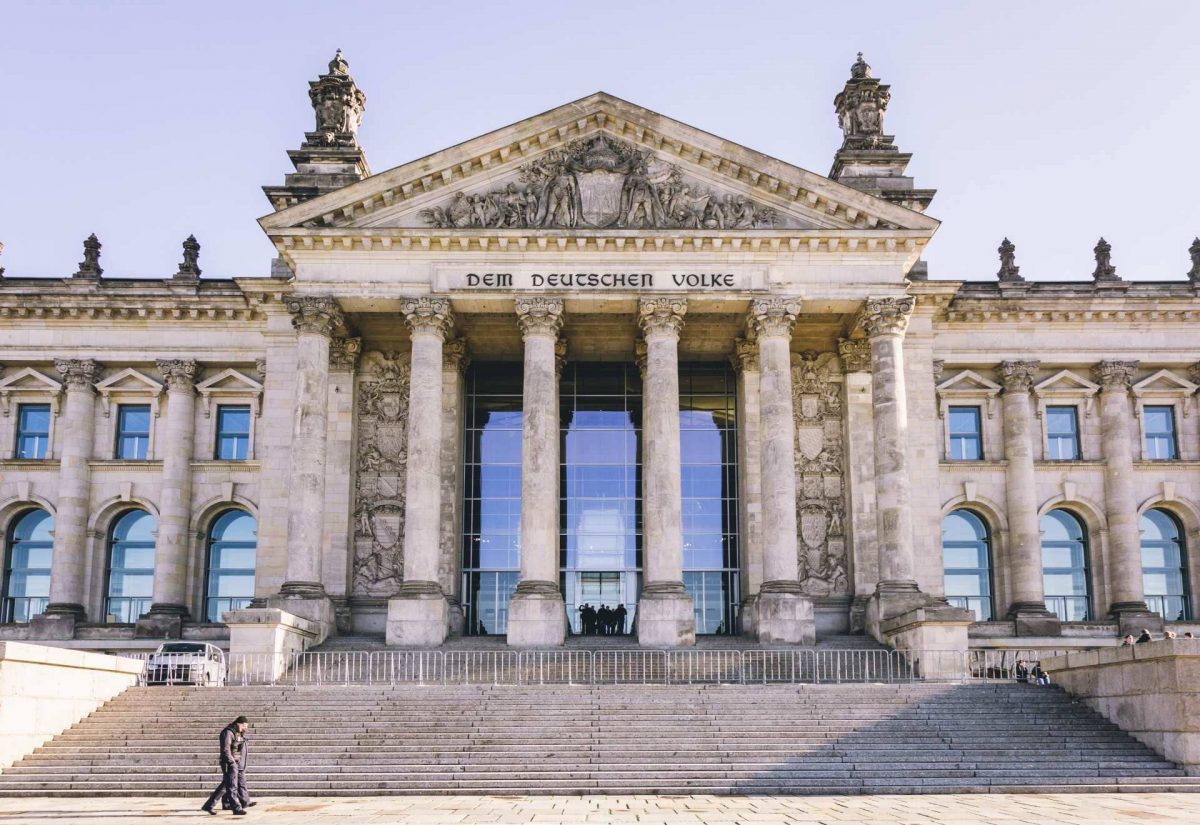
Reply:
x=583 y=667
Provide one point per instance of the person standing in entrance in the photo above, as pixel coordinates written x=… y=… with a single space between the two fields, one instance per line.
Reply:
x=233 y=746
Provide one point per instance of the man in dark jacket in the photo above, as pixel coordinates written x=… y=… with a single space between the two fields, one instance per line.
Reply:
x=232 y=758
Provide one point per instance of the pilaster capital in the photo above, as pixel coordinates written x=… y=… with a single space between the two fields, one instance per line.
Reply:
x=455 y=355
x=344 y=353
x=1115 y=375
x=856 y=354
x=774 y=316
x=886 y=316
x=319 y=314
x=661 y=315
x=939 y=366
x=560 y=357
x=178 y=374
x=1017 y=376
x=539 y=315
x=77 y=373
x=641 y=355
x=260 y=364
x=428 y=315
x=745 y=356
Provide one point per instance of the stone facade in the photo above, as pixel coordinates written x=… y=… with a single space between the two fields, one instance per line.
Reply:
x=597 y=232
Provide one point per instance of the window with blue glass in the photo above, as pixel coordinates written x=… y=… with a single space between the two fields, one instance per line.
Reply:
x=26 y=585
x=1159 y=423
x=232 y=548
x=33 y=430
x=133 y=431
x=1062 y=433
x=1065 y=566
x=966 y=434
x=1164 y=566
x=233 y=433
x=966 y=556
x=130 y=566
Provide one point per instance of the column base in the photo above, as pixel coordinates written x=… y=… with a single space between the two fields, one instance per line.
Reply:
x=748 y=615
x=1033 y=619
x=537 y=615
x=457 y=619
x=1134 y=617
x=665 y=617
x=309 y=601
x=163 y=621
x=57 y=622
x=418 y=616
x=785 y=615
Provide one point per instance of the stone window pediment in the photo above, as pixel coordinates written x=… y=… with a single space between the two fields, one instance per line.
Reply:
x=28 y=382
x=230 y=385
x=967 y=387
x=129 y=385
x=1164 y=388
x=1065 y=387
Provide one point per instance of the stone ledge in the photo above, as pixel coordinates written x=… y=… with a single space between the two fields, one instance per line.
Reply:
x=272 y=616
x=65 y=657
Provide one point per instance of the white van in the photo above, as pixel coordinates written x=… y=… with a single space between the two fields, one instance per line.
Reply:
x=186 y=663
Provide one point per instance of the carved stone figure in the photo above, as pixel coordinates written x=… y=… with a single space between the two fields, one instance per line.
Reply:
x=860 y=107
x=338 y=104
x=1105 y=271
x=1009 y=271
x=189 y=267
x=89 y=267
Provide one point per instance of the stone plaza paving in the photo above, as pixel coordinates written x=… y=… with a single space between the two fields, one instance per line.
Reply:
x=964 y=809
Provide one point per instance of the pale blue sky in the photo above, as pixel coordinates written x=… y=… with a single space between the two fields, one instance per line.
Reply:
x=1051 y=123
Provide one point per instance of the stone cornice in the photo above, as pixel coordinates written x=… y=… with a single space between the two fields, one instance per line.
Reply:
x=1148 y=310
x=538 y=315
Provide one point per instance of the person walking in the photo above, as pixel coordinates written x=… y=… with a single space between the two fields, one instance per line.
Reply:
x=1022 y=672
x=232 y=752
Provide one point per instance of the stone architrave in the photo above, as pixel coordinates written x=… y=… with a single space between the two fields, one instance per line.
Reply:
x=784 y=614
x=172 y=546
x=1027 y=603
x=536 y=612
x=68 y=559
x=664 y=613
x=1128 y=600
x=418 y=616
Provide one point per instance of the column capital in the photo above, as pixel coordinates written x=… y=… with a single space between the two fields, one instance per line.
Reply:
x=318 y=314
x=745 y=356
x=178 y=374
x=344 y=353
x=774 y=316
x=455 y=355
x=886 y=316
x=939 y=367
x=539 y=315
x=640 y=355
x=1115 y=375
x=856 y=354
x=560 y=357
x=1017 y=376
x=427 y=314
x=77 y=373
x=661 y=315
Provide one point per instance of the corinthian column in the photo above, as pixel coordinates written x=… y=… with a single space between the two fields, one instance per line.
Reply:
x=1128 y=599
x=169 y=608
x=67 y=563
x=783 y=613
x=536 y=613
x=419 y=614
x=1023 y=555
x=664 y=614
x=749 y=489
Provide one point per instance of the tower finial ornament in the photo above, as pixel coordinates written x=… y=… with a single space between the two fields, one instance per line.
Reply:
x=338 y=104
x=189 y=267
x=1193 y=250
x=89 y=267
x=861 y=69
x=1105 y=271
x=1009 y=271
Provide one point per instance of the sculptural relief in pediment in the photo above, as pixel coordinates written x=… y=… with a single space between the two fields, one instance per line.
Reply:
x=600 y=183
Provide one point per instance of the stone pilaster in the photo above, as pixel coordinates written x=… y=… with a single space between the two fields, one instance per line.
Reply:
x=536 y=613
x=172 y=547
x=1127 y=598
x=68 y=562
x=664 y=614
x=749 y=417
x=1023 y=554
x=859 y=438
x=337 y=546
x=783 y=613
x=419 y=615
x=455 y=360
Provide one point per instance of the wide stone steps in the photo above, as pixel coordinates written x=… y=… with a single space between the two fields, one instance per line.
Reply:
x=343 y=740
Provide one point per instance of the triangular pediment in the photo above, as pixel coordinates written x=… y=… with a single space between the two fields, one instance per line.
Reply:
x=229 y=380
x=1065 y=381
x=28 y=379
x=599 y=163
x=1164 y=382
x=969 y=381
x=129 y=380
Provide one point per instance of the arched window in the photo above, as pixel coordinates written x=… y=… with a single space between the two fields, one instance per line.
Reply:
x=967 y=560
x=27 y=566
x=130 y=566
x=1065 y=566
x=232 y=547
x=1164 y=565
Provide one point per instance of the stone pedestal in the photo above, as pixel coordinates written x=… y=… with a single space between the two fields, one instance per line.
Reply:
x=935 y=638
x=665 y=618
x=269 y=636
x=308 y=601
x=785 y=618
x=418 y=617
x=162 y=622
x=537 y=616
x=58 y=625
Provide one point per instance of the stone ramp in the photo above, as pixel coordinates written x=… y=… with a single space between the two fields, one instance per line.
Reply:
x=657 y=739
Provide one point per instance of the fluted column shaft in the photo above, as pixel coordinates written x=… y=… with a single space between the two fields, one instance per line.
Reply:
x=175 y=498
x=74 y=487
x=1120 y=503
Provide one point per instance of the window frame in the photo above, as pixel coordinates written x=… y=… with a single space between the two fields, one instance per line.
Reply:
x=1077 y=434
x=6 y=568
x=27 y=386
x=231 y=387
x=19 y=432
x=109 y=545
x=209 y=543
x=1086 y=545
x=968 y=388
x=988 y=546
x=1183 y=569
x=218 y=433
x=119 y=434
x=951 y=435
x=1174 y=434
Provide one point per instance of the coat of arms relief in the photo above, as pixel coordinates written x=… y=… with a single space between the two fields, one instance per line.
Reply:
x=820 y=493
x=380 y=459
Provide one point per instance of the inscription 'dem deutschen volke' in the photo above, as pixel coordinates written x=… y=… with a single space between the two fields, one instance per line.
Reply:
x=600 y=280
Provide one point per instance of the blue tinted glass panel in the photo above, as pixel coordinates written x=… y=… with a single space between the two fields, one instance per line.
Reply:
x=33 y=431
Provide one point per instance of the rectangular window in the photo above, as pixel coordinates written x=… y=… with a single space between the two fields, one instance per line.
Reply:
x=966 y=434
x=1160 y=433
x=1062 y=434
x=33 y=430
x=133 y=431
x=233 y=433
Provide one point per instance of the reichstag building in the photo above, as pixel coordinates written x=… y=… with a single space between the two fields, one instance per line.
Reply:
x=598 y=362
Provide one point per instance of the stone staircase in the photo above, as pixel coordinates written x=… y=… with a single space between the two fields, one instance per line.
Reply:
x=664 y=739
